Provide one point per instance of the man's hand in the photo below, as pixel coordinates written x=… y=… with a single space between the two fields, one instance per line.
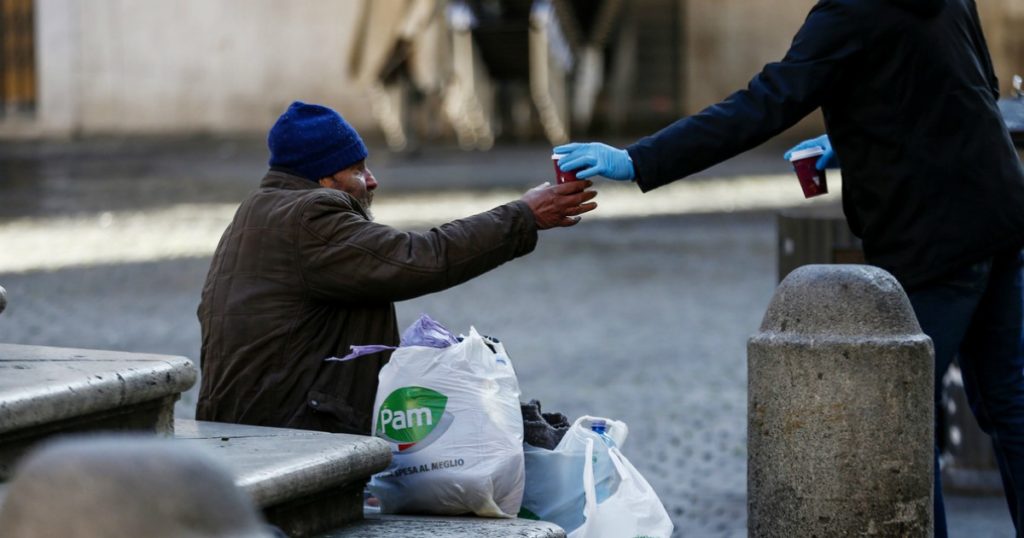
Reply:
x=560 y=205
x=596 y=159
x=827 y=159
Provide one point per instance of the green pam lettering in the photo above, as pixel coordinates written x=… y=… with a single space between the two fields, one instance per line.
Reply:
x=409 y=414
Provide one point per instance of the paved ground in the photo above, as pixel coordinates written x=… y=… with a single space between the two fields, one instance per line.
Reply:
x=640 y=318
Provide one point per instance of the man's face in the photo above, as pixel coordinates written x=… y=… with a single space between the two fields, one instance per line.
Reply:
x=357 y=180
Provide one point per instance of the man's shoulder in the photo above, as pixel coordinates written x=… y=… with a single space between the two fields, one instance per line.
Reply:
x=327 y=200
x=888 y=7
x=274 y=207
x=847 y=18
x=322 y=211
x=304 y=198
x=850 y=6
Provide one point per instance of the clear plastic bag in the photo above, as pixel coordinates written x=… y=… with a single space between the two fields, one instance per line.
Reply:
x=632 y=510
x=586 y=486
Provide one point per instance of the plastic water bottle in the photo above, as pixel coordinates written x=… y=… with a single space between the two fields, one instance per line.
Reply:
x=606 y=480
x=600 y=427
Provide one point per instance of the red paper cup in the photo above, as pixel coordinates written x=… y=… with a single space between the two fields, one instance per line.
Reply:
x=560 y=176
x=812 y=180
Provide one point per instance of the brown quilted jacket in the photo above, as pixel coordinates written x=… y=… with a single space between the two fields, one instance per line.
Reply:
x=300 y=275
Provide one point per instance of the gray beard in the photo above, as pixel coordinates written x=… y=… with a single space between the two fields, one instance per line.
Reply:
x=366 y=207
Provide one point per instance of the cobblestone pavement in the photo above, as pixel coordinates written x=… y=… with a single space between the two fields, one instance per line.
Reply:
x=643 y=319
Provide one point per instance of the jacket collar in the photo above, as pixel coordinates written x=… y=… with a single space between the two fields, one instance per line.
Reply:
x=924 y=8
x=282 y=179
x=277 y=178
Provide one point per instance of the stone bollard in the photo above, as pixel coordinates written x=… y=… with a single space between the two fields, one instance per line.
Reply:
x=3 y=299
x=840 y=409
x=126 y=486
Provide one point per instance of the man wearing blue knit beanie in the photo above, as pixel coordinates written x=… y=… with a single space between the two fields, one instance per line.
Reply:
x=303 y=273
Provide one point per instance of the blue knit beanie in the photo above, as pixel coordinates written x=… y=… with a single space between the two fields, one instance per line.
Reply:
x=314 y=142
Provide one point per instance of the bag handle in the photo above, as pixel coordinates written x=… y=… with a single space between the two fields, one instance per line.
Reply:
x=589 y=489
x=616 y=456
x=627 y=472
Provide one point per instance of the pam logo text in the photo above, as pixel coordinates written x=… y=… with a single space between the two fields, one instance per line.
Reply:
x=401 y=420
x=409 y=414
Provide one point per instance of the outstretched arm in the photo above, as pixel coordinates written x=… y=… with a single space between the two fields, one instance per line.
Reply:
x=778 y=97
x=348 y=258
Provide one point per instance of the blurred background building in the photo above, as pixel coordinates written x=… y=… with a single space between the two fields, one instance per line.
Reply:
x=473 y=71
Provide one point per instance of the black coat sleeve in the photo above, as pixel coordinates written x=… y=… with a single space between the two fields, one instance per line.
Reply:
x=981 y=47
x=778 y=97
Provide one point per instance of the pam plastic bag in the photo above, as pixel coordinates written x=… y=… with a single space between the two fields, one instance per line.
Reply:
x=452 y=417
x=586 y=480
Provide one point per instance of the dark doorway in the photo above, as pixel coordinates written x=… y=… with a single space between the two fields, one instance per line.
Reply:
x=17 y=58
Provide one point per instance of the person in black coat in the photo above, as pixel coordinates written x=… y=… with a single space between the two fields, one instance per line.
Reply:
x=931 y=180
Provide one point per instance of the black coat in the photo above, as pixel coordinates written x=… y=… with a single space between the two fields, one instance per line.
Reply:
x=931 y=181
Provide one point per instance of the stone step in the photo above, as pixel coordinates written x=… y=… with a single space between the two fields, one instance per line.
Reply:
x=305 y=482
x=48 y=390
x=377 y=526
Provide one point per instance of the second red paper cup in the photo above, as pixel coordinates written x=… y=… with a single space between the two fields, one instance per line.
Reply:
x=812 y=180
x=560 y=176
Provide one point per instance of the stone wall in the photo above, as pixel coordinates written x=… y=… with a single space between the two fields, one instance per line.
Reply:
x=727 y=41
x=1003 y=22
x=107 y=66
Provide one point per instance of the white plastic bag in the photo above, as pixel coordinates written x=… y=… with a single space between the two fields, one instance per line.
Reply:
x=587 y=486
x=554 y=478
x=452 y=417
x=631 y=511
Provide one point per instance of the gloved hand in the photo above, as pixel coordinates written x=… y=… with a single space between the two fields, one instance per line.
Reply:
x=596 y=159
x=827 y=159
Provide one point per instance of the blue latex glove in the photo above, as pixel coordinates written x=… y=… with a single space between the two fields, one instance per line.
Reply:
x=596 y=159
x=827 y=159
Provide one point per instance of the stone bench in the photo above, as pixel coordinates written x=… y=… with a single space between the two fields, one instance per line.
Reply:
x=377 y=526
x=305 y=482
x=47 y=390
x=308 y=482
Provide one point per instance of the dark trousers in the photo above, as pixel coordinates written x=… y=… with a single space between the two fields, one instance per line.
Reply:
x=977 y=315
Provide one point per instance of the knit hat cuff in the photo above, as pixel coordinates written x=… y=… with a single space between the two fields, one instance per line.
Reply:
x=332 y=162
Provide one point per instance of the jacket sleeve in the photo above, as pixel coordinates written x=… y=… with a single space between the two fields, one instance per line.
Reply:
x=347 y=257
x=981 y=46
x=778 y=97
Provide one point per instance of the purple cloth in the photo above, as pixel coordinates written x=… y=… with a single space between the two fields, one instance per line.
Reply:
x=424 y=332
x=429 y=333
x=362 y=351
